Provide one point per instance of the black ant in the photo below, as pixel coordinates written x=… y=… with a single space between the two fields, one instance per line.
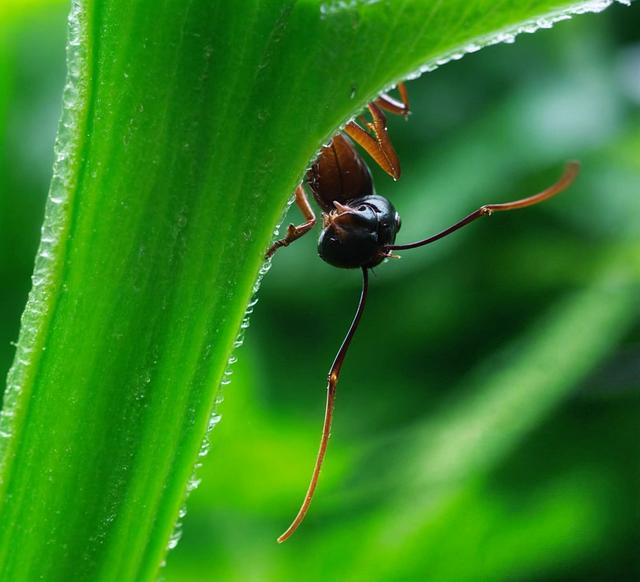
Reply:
x=359 y=227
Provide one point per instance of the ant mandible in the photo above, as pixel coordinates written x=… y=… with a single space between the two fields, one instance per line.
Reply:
x=359 y=227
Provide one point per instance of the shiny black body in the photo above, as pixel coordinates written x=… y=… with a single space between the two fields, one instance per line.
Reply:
x=357 y=237
x=357 y=223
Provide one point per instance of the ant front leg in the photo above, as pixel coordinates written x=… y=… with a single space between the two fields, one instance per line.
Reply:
x=295 y=232
x=377 y=143
x=392 y=105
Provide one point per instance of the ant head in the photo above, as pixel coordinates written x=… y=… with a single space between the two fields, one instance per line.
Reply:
x=355 y=234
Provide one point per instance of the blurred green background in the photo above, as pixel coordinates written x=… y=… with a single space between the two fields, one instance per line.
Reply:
x=487 y=421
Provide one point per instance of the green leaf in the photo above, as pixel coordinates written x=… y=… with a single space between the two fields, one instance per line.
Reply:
x=184 y=131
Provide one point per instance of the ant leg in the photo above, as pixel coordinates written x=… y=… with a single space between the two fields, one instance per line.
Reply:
x=295 y=232
x=569 y=175
x=378 y=145
x=392 y=105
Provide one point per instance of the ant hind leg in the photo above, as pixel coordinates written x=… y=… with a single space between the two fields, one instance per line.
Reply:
x=374 y=139
x=392 y=105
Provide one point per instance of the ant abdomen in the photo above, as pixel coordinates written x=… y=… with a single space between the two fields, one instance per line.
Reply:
x=339 y=174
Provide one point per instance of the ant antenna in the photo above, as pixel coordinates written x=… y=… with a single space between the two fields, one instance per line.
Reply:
x=332 y=381
x=569 y=175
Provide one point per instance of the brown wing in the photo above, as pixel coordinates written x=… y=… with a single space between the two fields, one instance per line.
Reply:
x=339 y=173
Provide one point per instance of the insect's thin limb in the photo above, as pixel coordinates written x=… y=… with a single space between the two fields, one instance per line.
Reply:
x=392 y=105
x=377 y=143
x=332 y=381
x=295 y=232
x=569 y=175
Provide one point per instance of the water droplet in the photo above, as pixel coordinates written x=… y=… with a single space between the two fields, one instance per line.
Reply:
x=56 y=217
x=504 y=36
x=175 y=536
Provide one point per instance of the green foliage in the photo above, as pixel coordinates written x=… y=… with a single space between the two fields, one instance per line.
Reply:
x=187 y=131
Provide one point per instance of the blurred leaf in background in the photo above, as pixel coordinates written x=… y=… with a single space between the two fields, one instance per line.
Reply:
x=487 y=418
x=32 y=69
